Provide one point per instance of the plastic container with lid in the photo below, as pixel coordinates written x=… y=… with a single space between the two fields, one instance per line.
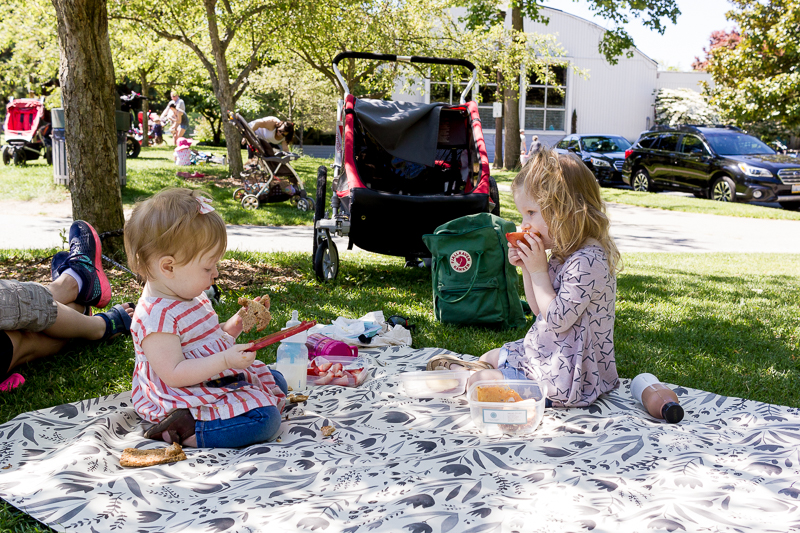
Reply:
x=435 y=383
x=338 y=370
x=503 y=417
x=292 y=358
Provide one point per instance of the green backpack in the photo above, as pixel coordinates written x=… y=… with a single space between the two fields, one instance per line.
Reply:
x=473 y=282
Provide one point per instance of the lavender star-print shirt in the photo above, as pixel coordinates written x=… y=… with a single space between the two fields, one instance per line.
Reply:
x=571 y=344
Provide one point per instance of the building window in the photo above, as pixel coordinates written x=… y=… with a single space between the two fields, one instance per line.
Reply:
x=488 y=93
x=447 y=90
x=545 y=108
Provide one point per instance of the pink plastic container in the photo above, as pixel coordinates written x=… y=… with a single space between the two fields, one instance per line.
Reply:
x=321 y=345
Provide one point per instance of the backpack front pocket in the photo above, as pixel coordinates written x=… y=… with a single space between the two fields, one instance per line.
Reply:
x=480 y=303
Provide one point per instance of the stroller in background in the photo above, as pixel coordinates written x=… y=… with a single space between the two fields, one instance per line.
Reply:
x=28 y=136
x=401 y=169
x=268 y=176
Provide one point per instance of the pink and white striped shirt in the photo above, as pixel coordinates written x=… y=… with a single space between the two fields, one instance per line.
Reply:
x=197 y=325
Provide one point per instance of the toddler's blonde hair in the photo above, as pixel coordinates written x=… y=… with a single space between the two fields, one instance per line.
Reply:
x=569 y=197
x=170 y=223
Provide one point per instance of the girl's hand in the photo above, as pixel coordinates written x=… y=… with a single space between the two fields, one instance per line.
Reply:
x=236 y=356
x=533 y=256
x=514 y=258
x=234 y=325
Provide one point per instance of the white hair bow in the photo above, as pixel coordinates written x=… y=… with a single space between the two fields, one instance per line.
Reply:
x=204 y=205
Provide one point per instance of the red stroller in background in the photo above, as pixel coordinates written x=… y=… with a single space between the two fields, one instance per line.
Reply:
x=401 y=169
x=27 y=134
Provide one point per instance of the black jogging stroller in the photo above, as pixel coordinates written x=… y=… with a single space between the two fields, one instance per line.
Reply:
x=268 y=176
x=401 y=169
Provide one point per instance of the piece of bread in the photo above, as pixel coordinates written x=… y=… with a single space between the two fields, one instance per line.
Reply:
x=138 y=458
x=327 y=431
x=298 y=398
x=498 y=393
x=255 y=314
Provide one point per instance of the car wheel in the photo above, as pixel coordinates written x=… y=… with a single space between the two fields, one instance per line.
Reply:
x=790 y=206
x=723 y=190
x=641 y=181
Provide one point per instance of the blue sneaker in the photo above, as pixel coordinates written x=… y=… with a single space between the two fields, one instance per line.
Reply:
x=85 y=258
x=57 y=264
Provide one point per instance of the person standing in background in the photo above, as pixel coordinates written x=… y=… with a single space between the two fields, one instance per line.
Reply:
x=180 y=120
x=523 y=149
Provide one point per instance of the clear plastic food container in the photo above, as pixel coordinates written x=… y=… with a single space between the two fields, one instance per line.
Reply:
x=338 y=370
x=435 y=383
x=516 y=406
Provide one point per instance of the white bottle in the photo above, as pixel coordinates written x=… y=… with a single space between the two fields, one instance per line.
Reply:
x=292 y=360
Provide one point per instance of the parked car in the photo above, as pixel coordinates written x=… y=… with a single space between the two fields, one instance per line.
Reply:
x=719 y=162
x=603 y=154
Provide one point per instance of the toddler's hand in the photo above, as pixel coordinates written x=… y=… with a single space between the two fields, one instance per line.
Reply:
x=514 y=258
x=534 y=255
x=236 y=356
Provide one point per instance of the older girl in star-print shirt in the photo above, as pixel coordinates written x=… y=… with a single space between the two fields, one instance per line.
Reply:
x=570 y=346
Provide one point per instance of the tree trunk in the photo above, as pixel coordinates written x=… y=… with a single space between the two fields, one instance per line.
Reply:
x=224 y=92
x=511 y=107
x=145 y=110
x=87 y=89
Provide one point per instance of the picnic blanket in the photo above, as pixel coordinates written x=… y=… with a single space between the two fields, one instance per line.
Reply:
x=399 y=464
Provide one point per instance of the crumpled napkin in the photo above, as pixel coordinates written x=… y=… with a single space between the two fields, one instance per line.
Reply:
x=372 y=325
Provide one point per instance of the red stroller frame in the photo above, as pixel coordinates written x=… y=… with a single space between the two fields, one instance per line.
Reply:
x=27 y=135
x=385 y=203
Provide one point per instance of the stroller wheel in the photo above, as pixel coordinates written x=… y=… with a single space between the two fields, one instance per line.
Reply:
x=7 y=155
x=326 y=261
x=239 y=193
x=303 y=204
x=295 y=201
x=250 y=201
x=19 y=158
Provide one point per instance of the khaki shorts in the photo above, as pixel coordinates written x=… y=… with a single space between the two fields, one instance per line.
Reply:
x=26 y=306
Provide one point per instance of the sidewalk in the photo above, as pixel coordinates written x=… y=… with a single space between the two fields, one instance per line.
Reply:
x=636 y=229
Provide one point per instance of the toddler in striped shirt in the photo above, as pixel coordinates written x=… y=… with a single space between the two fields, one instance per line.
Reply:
x=191 y=380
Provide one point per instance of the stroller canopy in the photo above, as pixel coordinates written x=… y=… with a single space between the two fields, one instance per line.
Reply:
x=408 y=130
x=22 y=118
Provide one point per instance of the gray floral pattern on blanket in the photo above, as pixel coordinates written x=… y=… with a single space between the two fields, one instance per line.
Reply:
x=418 y=465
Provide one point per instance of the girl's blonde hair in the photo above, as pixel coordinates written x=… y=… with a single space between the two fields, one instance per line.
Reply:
x=170 y=223
x=569 y=197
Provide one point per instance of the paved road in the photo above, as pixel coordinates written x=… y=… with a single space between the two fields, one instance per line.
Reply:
x=636 y=229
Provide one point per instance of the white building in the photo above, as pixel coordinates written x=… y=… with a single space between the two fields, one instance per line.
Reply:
x=613 y=99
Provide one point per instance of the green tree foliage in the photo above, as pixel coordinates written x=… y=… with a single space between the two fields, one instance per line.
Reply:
x=315 y=32
x=759 y=79
x=28 y=58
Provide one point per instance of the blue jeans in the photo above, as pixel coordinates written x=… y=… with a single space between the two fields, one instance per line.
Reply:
x=258 y=425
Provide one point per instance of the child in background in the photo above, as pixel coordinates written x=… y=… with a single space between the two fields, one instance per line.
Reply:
x=190 y=378
x=570 y=346
x=182 y=154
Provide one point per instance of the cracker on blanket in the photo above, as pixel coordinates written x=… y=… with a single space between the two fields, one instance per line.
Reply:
x=138 y=458
x=254 y=314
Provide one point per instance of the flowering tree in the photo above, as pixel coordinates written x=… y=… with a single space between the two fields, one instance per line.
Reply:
x=684 y=106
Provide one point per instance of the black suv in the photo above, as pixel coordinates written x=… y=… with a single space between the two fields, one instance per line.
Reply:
x=603 y=154
x=718 y=162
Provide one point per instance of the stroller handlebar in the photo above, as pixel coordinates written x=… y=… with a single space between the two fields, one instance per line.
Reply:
x=406 y=59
